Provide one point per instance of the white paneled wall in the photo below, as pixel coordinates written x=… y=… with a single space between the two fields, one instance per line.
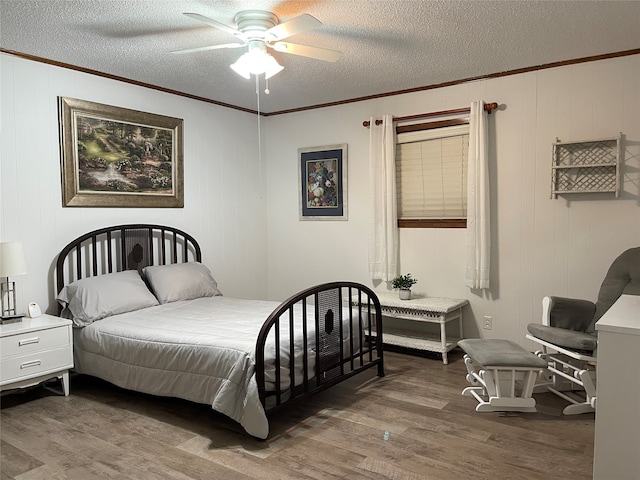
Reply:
x=244 y=209
x=224 y=207
x=540 y=246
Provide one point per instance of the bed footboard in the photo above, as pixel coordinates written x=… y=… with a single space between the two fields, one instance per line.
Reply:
x=322 y=336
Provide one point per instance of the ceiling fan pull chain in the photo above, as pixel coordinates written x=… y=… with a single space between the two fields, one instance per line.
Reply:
x=266 y=85
x=259 y=131
x=258 y=93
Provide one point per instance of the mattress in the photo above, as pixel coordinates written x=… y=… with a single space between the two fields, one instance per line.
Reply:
x=201 y=350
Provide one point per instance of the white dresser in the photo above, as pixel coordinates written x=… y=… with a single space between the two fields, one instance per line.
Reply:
x=34 y=350
x=617 y=437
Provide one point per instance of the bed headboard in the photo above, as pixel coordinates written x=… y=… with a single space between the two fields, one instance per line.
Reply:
x=124 y=247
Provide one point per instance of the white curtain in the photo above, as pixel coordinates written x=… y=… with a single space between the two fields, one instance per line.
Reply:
x=383 y=243
x=478 y=221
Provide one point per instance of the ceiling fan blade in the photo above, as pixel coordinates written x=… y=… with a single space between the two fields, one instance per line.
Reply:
x=210 y=47
x=294 y=26
x=215 y=24
x=307 y=51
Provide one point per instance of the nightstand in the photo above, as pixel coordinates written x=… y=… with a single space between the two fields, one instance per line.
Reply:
x=35 y=350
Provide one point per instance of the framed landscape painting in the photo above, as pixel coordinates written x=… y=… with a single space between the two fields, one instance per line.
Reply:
x=323 y=187
x=116 y=157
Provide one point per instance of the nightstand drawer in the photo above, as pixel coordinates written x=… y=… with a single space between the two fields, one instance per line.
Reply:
x=24 y=343
x=24 y=366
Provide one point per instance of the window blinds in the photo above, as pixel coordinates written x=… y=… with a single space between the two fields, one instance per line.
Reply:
x=431 y=173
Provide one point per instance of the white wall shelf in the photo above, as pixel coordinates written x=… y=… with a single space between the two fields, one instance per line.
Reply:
x=590 y=166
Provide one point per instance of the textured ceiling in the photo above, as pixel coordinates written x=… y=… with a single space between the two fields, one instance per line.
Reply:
x=387 y=45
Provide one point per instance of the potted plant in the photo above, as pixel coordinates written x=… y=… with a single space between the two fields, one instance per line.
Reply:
x=404 y=284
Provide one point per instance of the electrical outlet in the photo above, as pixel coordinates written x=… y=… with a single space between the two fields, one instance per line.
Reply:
x=488 y=322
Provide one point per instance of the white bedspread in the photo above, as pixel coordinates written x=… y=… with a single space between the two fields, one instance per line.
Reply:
x=201 y=350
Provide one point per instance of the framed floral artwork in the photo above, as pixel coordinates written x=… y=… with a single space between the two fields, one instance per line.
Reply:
x=323 y=188
x=116 y=157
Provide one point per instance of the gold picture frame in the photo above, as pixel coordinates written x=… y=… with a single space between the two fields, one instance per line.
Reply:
x=117 y=157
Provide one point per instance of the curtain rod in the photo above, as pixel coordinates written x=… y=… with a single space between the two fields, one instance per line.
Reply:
x=489 y=107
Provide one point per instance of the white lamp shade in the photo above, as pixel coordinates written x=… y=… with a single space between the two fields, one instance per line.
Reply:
x=271 y=67
x=256 y=62
x=12 y=260
x=241 y=67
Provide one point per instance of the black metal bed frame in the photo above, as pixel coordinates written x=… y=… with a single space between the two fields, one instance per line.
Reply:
x=135 y=246
x=333 y=363
x=124 y=247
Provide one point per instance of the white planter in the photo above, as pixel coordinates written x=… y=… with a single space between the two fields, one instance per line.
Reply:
x=404 y=294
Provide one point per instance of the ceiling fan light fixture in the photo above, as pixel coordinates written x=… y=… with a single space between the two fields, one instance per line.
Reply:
x=271 y=66
x=259 y=29
x=256 y=62
x=241 y=67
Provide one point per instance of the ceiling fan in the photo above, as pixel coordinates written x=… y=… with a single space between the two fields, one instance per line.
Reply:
x=259 y=30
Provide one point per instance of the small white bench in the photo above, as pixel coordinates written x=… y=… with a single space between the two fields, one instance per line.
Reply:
x=502 y=374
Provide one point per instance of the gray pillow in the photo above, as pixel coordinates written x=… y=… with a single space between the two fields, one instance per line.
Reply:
x=180 y=281
x=94 y=298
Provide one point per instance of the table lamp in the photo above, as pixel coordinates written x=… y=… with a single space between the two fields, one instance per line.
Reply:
x=12 y=263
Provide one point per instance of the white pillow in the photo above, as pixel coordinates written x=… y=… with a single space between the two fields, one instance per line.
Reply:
x=94 y=298
x=180 y=281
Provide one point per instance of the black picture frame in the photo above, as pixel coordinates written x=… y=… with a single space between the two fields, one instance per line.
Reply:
x=322 y=191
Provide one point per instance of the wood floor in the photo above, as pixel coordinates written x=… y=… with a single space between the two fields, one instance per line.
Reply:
x=101 y=431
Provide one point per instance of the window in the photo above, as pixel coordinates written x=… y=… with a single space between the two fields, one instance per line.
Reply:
x=431 y=175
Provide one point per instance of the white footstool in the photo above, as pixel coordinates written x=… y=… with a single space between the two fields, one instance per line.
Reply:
x=503 y=374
